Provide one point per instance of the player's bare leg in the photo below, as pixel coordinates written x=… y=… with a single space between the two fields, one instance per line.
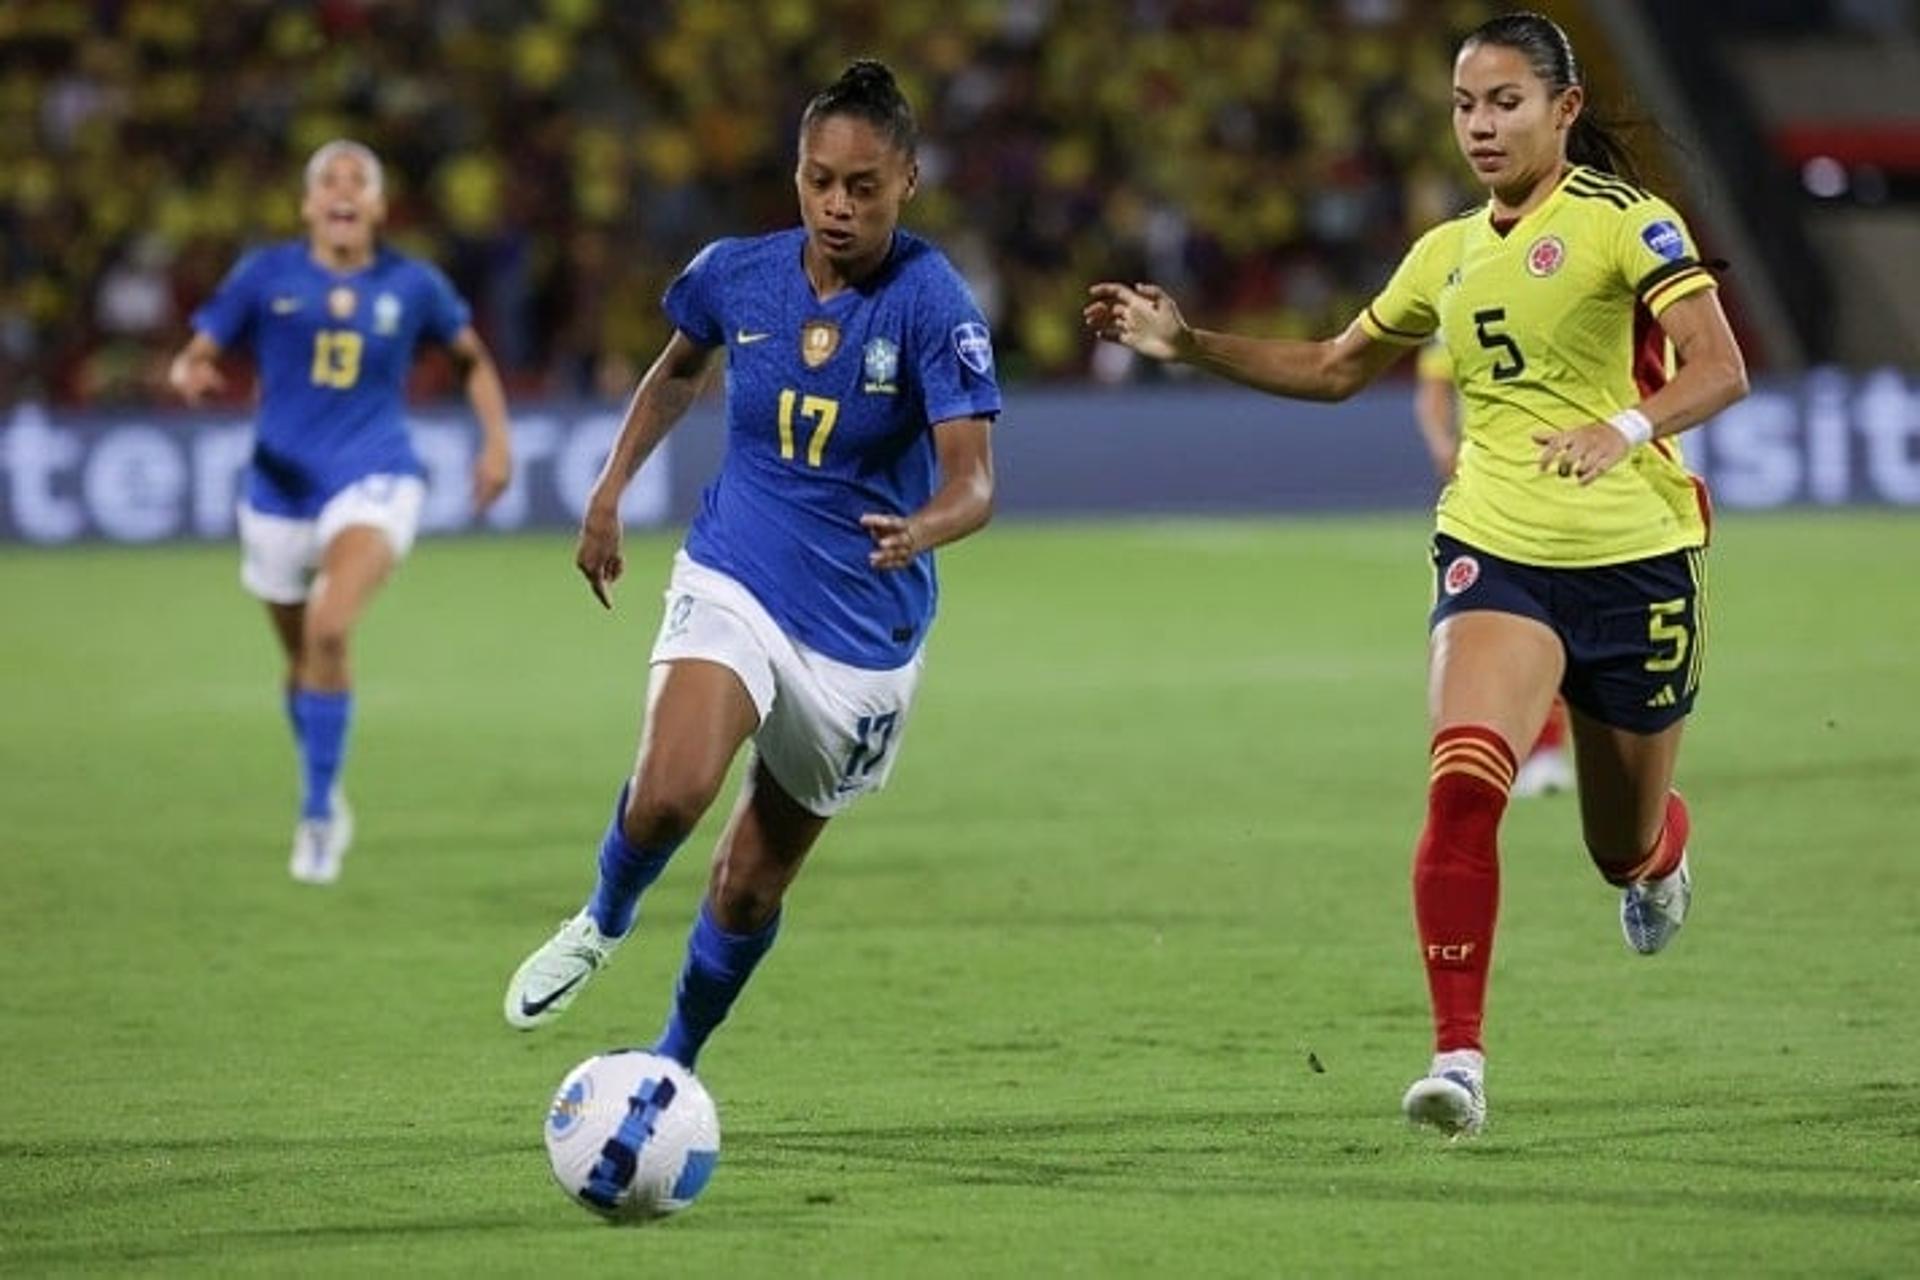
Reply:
x=1635 y=825
x=1498 y=670
x=357 y=563
x=354 y=566
x=1491 y=681
x=767 y=839
x=698 y=717
x=289 y=623
x=699 y=714
x=762 y=849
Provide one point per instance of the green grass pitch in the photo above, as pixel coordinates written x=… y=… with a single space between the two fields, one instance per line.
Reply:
x=1046 y=1007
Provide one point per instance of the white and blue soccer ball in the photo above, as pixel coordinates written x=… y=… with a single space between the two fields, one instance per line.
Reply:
x=632 y=1135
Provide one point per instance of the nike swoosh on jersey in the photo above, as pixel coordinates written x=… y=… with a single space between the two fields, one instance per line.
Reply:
x=742 y=337
x=281 y=306
x=533 y=1008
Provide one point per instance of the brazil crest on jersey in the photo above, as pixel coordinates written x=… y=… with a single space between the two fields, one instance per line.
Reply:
x=830 y=407
x=1543 y=328
x=333 y=351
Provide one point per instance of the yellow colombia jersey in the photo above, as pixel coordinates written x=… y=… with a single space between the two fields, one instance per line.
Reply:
x=1550 y=326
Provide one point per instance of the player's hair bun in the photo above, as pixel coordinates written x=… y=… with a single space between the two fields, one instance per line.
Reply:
x=868 y=77
x=868 y=91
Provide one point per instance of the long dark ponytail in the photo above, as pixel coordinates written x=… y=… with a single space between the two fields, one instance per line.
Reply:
x=1593 y=140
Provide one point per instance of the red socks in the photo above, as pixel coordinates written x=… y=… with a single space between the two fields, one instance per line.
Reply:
x=1665 y=854
x=1554 y=732
x=1456 y=877
x=1456 y=874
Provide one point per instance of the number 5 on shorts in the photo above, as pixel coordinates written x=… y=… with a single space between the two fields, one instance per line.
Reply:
x=1667 y=629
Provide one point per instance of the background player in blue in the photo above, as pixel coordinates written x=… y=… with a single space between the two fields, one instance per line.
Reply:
x=333 y=491
x=860 y=394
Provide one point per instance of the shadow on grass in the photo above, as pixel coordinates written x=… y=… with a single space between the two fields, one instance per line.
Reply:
x=202 y=1197
x=55 y=1194
x=191 y=1198
x=1274 y=1154
x=230 y=1247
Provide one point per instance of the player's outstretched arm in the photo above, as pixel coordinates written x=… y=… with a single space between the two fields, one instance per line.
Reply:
x=665 y=392
x=961 y=505
x=193 y=374
x=1711 y=375
x=494 y=468
x=1144 y=318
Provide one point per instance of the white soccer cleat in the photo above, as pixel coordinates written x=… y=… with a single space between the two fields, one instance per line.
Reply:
x=1450 y=1097
x=1652 y=911
x=320 y=845
x=307 y=863
x=552 y=978
x=1543 y=773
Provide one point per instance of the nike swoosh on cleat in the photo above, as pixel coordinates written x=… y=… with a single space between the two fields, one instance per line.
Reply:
x=534 y=1008
x=742 y=337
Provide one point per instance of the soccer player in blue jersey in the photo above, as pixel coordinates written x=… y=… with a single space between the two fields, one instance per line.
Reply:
x=860 y=396
x=334 y=488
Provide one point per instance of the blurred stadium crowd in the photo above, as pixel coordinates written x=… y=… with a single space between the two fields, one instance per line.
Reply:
x=1266 y=159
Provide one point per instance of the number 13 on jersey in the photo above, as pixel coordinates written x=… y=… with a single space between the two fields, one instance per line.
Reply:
x=336 y=358
x=821 y=410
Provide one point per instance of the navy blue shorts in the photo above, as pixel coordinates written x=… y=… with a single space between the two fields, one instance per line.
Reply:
x=1632 y=632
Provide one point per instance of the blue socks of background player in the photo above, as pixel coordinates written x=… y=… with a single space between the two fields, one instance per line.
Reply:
x=320 y=725
x=718 y=966
x=626 y=869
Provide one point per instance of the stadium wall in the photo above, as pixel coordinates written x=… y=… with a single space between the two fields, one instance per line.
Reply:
x=1828 y=439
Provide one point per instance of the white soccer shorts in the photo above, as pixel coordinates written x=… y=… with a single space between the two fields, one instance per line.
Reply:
x=829 y=733
x=280 y=555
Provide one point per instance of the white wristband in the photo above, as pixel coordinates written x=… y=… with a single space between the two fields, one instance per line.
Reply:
x=1636 y=426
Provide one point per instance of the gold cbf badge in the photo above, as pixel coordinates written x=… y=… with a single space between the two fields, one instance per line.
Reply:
x=340 y=302
x=819 y=339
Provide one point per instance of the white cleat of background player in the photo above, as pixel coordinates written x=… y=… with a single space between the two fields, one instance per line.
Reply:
x=320 y=845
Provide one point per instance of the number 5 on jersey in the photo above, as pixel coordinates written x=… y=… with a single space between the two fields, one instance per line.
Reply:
x=823 y=412
x=1510 y=364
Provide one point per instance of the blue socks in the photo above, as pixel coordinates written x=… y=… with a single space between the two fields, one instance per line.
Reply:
x=718 y=966
x=626 y=869
x=718 y=963
x=320 y=727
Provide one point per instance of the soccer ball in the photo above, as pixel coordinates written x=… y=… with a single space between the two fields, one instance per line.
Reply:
x=632 y=1135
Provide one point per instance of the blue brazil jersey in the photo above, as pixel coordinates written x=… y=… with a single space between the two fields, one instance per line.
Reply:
x=333 y=350
x=829 y=413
